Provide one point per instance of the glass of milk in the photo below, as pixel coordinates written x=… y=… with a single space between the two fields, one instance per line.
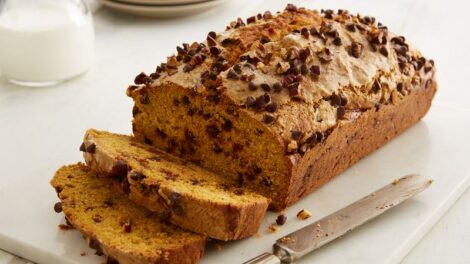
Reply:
x=45 y=42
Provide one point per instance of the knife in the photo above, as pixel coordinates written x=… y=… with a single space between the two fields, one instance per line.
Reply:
x=303 y=241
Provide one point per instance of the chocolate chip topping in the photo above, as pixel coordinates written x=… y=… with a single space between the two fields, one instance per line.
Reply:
x=127 y=226
x=91 y=148
x=142 y=78
x=325 y=55
x=272 y=107
x=250 y=101
x=296 y=134
x=82 y=147
x=281 y=219
x=340 y=112
x=356 y=49
x=384 y=51
x=269 y=118
x=136 y=176
x=58 y=207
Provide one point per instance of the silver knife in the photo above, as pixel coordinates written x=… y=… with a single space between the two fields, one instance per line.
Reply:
x=303 y=241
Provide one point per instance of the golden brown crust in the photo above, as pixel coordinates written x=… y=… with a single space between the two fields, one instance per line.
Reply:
x=91 y=206
x=186 y=195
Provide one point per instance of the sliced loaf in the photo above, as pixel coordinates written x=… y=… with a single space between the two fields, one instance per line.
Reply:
x=113 y=225
x=183 y=193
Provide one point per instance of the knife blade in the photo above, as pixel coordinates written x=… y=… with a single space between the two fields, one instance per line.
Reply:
x=303 y=241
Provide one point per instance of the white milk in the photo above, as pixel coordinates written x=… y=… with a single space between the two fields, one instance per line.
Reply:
x=45 y=42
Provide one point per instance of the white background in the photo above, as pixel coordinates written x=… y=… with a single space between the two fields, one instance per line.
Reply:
x=440 y=29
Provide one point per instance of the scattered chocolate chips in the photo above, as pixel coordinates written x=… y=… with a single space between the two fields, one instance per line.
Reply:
x=227 y=126
x=136 y=176
x=252 y=86
x=144 y=99
x=383 y=50
x=231 y=74
x=400 y=87
x=277 y=87
x=376 y=86
x=351 y=27
x=267 y=15
x=262 y=101
x=271 y=108
x=120 y=168
x=291 y=8
x=91 y=148
x=250 y=101
x=213 y=131
x=269 y=118
x=214 y=51
x=251 y=19
x=265 y=87
x=82 y=147
x=356 y=49
x=58 y=207
x=281 y=219
x=325 y=55
x=127 y=226
x=296 y=134
x=126 y=187
x=337 y=41
x=142 y=78
x=340 y=112
x=97 y=218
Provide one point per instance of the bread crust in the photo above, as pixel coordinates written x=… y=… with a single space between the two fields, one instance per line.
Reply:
x=222 y=218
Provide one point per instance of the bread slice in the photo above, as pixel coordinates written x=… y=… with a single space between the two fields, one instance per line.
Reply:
x=280 y=103
x=122 y=230
x=186 y=194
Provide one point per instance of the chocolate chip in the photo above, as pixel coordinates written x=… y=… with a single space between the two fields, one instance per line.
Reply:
x=351 y=27
x=144 y=98
x=91 y=148
x=120 y=168
x=232 y=74
x=265 y=87
x=212 y=34
x=277 y=87
x=214 y=51
x=250 y=101
x=291 y=8
x=58 y=207
x=252 y=86
x=344 y=100
x=269 y=118
x=356 y=49
x=97 y=218
x=325 y=55
x=296 y=134
x=142 y=78
x=127 y=226
x=281 y=219
x=82 y=147
x=400 y=40
x=136 y=176
x=267 y=15
x=126 y=187
x=304 y=32
x=251 y=19
x=337 y=41
x=272 y=107
x=227 y=126
x=315 y=71
x=213 y=131
x=400 y=87
x=175 y=203
x=304 y=69
x=335 y=100
x=264 y=40
x=340 y=112
x=383 y=50
x=376 y=86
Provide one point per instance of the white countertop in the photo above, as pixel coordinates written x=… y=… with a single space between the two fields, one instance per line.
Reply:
x=439 y=28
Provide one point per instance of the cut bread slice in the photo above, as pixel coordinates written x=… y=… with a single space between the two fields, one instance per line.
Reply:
x=184 y=193
x=115 y=226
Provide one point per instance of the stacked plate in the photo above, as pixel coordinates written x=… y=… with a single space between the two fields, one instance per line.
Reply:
x=162 y=8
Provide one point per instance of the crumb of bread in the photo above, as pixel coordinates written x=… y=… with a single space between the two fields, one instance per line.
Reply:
x=430 y=181
x=217 y=247
x=396 y=181
x=65 y=227
x=272 y=228
x=83 y=253
x=303 y=214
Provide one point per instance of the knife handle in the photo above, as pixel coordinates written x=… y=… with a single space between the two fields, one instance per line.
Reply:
x=265 y=258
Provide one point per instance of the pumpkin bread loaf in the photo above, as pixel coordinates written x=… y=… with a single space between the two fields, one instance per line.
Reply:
x=185 y=194
x=282 y=103
x=118 y=228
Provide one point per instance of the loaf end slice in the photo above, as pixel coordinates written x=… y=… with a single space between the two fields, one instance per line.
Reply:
x=113 y=225
x=183 y=193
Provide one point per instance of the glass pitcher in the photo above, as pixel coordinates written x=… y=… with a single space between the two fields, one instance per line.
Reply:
x=45 y=42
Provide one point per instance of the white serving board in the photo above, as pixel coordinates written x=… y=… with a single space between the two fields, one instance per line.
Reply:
x=41 y=129
x=436 y=147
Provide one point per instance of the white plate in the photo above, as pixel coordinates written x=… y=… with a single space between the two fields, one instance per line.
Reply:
x=162 y=2
x=162 y=10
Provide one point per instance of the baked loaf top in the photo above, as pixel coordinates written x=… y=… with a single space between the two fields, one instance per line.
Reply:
x=181 y=192
x=300 y=72
x=115 y=226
